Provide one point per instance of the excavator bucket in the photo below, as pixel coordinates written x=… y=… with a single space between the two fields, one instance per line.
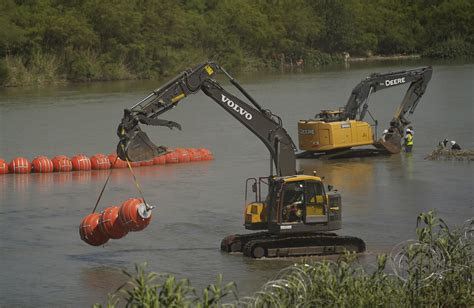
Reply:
x=390 y=142
x=138 y=148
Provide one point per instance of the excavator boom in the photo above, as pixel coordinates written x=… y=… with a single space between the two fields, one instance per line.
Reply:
x=135 y=145
x=418 y=78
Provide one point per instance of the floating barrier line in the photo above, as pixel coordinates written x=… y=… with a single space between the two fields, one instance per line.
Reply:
x=80 y=162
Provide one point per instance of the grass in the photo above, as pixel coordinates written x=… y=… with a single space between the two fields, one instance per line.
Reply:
x=39 y=69
x=436 y=270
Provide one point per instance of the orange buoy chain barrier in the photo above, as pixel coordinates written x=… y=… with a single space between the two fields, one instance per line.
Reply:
x=3 y=167
x=110 y=225
x=100 y=162
x=62 y=163
x=20 y=165
x=90 y=231
x=80 y=162
x=42 y=164
x=115 y=222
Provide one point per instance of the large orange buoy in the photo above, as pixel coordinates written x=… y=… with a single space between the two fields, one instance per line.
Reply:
x=110 y=225
x=62 y=163
x=172 y=158
x=42 y=164
x=134 y=215
x=115 y=162
x=3 y=167
x=146 y=163
x=90 y=231
x=205 y=154
x=159 y=160
x=100 y=162
x=196 y=156
x=81 y=162
x=20 y=165
x=134 y=164
x=183 y=155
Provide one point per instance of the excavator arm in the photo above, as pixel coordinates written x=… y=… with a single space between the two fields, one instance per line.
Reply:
x=357 y=105
x=135 y=145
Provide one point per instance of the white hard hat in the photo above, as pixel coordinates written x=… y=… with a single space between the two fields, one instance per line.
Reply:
x=385 y=131
x=453 y=142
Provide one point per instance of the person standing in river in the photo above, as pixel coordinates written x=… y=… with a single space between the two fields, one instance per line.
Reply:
x=408 y=140
x=455 y=146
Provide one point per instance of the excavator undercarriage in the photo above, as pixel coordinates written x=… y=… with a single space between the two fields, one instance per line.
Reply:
x=265 y=244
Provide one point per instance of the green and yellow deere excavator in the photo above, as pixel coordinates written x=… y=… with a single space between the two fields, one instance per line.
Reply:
x=334 y=133
x=298 y=214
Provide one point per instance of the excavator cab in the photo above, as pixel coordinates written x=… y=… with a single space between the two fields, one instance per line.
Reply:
x=329 y=115
x=295 y=204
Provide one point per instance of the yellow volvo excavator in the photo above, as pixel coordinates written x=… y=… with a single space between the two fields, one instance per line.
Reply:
x=296 y=216
x=332 y=133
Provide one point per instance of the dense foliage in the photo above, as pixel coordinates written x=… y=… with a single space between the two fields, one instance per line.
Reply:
x=49 y=40
x=436 y=270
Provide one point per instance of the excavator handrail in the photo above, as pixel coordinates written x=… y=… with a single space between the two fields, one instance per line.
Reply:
x=262 y=122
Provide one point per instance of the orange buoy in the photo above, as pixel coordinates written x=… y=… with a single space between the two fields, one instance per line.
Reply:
x=100 y=162
x=196 y=156
x=192 y=150
x=81 y=162
x=159 y=160
x=115 y=162
x=183 y=155
x=110 y=225
x=134 y=215
x=3 y=167
x=146 y=163
x=62 y=163
x=42 y=164
x=135 y=164
x=20 y=165
x=90 y=231
x=206 y=154
x=172 y=158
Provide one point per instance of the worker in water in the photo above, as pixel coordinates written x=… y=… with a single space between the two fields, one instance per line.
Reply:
x=455 y=146
x=443 y=144
x=384 y=135
x=408 y=140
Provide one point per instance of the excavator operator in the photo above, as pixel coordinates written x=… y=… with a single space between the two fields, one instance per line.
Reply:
x=293 y=203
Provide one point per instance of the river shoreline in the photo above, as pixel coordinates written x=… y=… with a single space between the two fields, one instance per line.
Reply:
x=382 y=58
x=57 y=79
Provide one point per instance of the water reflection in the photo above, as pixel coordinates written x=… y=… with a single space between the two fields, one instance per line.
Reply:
x=101 y=280
x=354 y=176
x=48 y=182
x=199 y=203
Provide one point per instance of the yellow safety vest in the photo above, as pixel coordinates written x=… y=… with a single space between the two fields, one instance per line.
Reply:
x=409 y=139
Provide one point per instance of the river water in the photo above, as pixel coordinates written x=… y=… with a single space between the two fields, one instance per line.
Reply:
x=45 y=263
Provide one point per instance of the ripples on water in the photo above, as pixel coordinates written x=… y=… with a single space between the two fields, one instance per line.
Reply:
x=45 y=263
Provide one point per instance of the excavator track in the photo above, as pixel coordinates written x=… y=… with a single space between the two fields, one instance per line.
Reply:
x=316 y=244
x=236 y=242
x=264 y=244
